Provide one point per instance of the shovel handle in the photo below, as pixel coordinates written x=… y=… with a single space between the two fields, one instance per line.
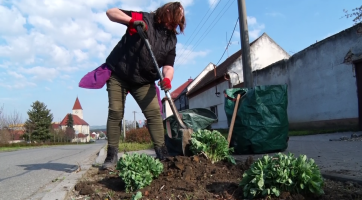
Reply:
x=167 y=93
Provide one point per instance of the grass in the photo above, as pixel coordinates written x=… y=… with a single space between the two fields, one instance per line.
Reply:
x=4 y=149
x=127 y=146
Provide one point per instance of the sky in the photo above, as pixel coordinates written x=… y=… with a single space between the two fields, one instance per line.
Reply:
x=47 y=46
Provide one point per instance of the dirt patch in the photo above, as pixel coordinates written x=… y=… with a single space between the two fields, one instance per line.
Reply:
x=194 y=178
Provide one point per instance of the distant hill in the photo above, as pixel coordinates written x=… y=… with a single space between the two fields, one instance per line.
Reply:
x=102 y=127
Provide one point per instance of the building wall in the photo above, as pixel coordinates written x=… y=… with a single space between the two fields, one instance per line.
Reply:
x=208 y=98
x=79 y=129
x=263 y=52
x=322 y=90
x=78 y=112
x=208 y=68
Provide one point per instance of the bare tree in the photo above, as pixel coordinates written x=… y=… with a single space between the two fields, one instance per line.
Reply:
x=15 y=125
x=4 y=132
x=356 y=14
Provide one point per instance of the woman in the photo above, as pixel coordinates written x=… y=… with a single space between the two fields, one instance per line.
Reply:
x=133 y=71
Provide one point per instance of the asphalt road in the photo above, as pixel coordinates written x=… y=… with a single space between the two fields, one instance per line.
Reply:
x=30 y=173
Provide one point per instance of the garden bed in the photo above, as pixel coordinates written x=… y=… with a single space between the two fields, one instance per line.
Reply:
x=194 y=178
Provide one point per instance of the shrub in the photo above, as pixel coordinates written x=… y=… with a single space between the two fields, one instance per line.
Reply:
x=272 y=175
x=5 y=136
x=138 y=170
x=140 y=135
x=212 y=144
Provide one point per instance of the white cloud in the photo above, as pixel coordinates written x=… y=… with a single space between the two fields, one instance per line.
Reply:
x=254 y=28
x=185 y=55
x=11 y=20
x=47 y=88
x=15 y=75
x=17 y=85
x=80 y=55
x=65 y=76
x=213 y=3
x=41 y=73
x=53 y=39
x=4 y=66
x=70 y=87
x=251 y=20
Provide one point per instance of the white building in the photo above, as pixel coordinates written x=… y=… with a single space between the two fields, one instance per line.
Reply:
x=324 y=82
x=80 y=126
x=207 y=92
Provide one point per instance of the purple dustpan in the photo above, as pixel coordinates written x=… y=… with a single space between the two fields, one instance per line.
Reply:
x=97 y=78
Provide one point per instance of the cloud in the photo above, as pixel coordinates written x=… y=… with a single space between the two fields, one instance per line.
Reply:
x=185 y=55
x=251 y=20
x=12 y=19
x=213 y=3
x=41 y=73
x=65 y=76
x=47 y=40
x=15 y=75
x=254 y=27
x=47 y=88
x=18 y=85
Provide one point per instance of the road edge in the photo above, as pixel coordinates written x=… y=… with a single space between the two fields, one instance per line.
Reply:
x=61 y=191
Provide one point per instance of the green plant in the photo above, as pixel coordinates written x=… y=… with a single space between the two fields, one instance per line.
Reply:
x=271 y=175
x=212 y=144
x=137 y=196
x=111 y=193
x=138 y=170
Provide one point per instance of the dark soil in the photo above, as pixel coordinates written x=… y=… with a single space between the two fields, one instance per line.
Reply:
x=194 y=178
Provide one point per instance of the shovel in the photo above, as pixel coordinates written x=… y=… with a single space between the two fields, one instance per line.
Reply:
x=186 y=132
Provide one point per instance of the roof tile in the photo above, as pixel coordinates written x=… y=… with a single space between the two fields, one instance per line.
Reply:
x=77 y=105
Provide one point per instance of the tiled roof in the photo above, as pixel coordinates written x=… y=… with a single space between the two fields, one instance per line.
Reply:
x=55 y=125
x=220 y=71
x=179 y=90
x=76 y=120
x=77 y=105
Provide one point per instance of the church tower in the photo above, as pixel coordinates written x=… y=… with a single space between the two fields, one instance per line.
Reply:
x=77 y=109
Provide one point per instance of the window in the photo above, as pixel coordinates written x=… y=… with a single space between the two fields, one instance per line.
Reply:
x=214 y=110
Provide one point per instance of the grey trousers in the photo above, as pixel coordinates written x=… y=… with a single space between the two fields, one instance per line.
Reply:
x=145 y=96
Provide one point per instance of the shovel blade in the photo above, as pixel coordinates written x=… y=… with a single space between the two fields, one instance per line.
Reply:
x=186 y=138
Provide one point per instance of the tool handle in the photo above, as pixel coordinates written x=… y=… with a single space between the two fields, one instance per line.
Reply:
x=167 y=93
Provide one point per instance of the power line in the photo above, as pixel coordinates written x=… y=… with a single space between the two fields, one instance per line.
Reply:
x=198 y=29
x=212 y=25
x=229 y=41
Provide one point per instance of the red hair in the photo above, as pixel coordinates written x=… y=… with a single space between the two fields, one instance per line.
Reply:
x=172 y=14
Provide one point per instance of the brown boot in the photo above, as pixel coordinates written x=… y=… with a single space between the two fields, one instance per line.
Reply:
x=161 y=152
x=111 y=160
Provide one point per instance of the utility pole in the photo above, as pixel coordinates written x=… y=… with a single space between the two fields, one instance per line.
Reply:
x=134 y=113
x=124 y=128
x=245 y=46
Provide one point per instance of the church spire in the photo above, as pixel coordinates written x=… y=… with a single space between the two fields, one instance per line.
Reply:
x=77 y=105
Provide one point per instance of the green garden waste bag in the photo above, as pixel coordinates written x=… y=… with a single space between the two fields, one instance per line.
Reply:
x=261 y=124
x=197 y=118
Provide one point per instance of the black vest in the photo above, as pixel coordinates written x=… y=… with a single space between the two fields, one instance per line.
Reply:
x=130 y=59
